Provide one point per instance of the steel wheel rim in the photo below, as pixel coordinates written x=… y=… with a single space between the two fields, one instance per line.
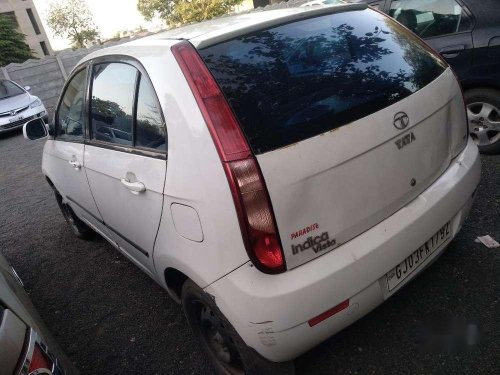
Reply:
x=218 y=339
x=484 y=123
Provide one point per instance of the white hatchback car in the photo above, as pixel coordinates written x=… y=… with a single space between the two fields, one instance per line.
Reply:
x=317 y=160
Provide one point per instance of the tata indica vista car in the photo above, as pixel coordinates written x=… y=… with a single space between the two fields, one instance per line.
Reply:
x=280 y=173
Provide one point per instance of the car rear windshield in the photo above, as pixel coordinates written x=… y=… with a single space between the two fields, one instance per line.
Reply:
x=292 y=82
x=9 y=89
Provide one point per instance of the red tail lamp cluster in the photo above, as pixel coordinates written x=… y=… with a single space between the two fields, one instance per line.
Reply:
x=251 y=198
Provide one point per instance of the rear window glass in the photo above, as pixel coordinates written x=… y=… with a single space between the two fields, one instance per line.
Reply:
x=298 y=80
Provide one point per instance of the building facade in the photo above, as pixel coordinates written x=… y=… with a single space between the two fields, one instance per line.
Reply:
x=25 y=16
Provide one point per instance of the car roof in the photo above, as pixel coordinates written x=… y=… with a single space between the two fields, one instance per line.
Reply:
x=217 y=30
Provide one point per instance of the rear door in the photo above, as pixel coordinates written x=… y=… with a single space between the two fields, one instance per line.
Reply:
x=349 y=116
x=446 y=25
x=63 y=156
x=125 y=158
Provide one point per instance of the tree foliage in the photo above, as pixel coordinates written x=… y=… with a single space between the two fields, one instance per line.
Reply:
x=72 y=19
x=178 y=12
x=13 y=48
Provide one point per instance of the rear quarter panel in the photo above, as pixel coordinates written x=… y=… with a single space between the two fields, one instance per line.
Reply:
x=195 y=178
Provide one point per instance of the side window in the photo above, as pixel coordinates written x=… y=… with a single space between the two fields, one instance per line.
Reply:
x=429 y=18
x=112 y=103
x=150 y=130
x=70 y=114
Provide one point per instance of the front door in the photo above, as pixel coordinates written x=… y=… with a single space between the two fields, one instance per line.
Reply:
x=63 y=156
x=125 y=158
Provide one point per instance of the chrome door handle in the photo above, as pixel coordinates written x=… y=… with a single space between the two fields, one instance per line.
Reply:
x=75 y=164
x=134 y=187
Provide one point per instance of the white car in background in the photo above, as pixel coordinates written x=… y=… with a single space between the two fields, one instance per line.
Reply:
x=18 y=106
x=286 y=172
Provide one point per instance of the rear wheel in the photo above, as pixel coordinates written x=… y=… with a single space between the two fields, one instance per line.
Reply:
x=483 y=111
x=226 y=350
x=79 y=228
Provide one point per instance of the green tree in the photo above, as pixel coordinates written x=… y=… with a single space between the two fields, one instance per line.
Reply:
x=72 y=19
x=178 y=12
x=13 y=48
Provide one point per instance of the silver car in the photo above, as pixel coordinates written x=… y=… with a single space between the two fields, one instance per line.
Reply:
x=18 y=106
x=26 y=347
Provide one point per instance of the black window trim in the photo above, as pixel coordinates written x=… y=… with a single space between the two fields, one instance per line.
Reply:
x=136 y=150
x=465 y=8
x=77 y=70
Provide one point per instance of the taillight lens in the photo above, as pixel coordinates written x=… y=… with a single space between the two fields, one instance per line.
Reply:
x=252 y=201
x=39 y=360
x=250 y=195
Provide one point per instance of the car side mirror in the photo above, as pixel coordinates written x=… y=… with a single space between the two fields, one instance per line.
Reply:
x=35 y=129
x=27 y=88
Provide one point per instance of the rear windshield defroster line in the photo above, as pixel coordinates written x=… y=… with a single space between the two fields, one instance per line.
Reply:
x=292 y=82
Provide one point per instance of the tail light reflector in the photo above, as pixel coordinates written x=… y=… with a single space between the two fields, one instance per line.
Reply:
x=250 y=195
x=39 y=361
x=327 y=314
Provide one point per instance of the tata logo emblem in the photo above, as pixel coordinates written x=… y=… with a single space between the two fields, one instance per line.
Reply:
x=401 y=120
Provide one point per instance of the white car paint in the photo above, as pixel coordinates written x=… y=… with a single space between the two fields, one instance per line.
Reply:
x=19 y=108
x=352 y=182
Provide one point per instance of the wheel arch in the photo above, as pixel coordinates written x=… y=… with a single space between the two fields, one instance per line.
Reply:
x=174 y=280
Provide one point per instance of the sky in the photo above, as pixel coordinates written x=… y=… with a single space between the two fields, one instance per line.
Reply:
x=110 y=16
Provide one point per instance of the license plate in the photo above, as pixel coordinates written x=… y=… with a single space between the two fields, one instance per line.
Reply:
x=14 y=119
x=410 y=264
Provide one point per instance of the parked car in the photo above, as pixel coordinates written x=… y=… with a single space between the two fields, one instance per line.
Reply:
x=26 y=345
x=467 y=34
x=18 y=106
x=317 y=160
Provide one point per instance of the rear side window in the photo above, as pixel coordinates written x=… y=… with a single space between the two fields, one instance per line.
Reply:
x=150 y=130
x=112 y=104
x=295 y=81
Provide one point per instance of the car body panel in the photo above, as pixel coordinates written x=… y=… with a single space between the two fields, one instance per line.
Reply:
x=71 y=182
x=135 y=216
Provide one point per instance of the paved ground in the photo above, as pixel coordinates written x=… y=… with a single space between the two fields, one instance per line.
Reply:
x=112 y=319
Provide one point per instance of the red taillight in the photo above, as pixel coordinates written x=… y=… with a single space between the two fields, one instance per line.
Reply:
x=39 y=360
x=251 y=198
x=334 y=310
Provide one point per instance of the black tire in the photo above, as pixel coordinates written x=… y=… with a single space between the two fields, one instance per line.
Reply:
x=79 y=228
x=224 y=348
x=480 y=102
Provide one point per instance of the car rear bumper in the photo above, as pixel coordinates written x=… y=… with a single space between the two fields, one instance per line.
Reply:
x=29 y=114
x=271 y=312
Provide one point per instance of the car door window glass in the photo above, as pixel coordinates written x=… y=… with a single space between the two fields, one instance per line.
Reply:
x=70 y=115
x=429 y=18
x=150 y=130
x=113 y=90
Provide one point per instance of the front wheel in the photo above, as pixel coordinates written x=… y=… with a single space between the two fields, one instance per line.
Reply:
x=483 y=111
x=225 y=349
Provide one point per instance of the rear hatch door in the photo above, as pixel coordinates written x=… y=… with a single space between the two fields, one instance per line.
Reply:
x=348 y=116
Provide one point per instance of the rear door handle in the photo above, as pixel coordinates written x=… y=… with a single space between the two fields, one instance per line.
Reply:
x=75 y=164
x=134 y=187
x=452 y=51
